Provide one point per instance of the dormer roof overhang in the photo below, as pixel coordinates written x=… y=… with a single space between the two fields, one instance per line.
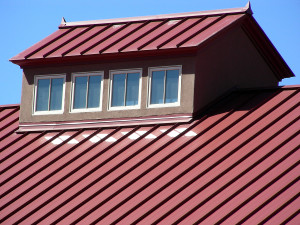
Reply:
x=162 y=35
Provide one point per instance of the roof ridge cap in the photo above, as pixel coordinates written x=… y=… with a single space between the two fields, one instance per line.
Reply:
x=246 y=9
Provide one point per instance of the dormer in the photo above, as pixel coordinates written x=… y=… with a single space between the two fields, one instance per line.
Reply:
x=153 y=69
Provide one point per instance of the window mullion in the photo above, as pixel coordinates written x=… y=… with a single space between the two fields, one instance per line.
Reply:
x=49 y=94
x=165 y=78
x=125 y=89
x=87 y=92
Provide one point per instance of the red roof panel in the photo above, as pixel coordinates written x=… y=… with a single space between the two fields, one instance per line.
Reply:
x=237 y=162
x=129 y=35
x=46 y=51
x=181 y=27
x=209 y=30
x=144 y=34
x=126 y=30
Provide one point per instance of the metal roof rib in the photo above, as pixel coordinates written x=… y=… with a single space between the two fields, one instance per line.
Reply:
x=162 y=33
x=126 y=32
x=142 y=35
x=85 y=39
x=123 y=37
x=102 y=39
x=44 y=43
x=118 y=177
x=212 y=22
x=181 y=32
x=239 y=166
x=165 y=158
x=67 y=41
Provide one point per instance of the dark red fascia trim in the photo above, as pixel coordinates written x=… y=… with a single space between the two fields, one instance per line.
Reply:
x=90 y=59
x=266 y=48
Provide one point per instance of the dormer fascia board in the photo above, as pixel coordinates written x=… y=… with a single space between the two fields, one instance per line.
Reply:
x=232 y=11
x=265 y=47
x=91 y=59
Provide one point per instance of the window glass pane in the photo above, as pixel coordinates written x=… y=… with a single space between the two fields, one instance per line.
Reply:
x=132 y=92
x=157 y=87
x=94 y=92
x=56 y=93
x=172 y=86
x=42 y=97
x=80 y=92
x=118 y=90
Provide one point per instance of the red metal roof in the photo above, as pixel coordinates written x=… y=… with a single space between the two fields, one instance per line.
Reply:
x=166 y=34
x=128 y=36
x=236 y=162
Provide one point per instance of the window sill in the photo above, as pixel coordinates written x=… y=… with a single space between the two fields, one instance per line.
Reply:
x=47 y=113
x=85 y=110
x=176 y=104
x=119 y=108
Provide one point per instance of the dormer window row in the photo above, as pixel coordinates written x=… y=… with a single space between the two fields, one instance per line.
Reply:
x=125 y=87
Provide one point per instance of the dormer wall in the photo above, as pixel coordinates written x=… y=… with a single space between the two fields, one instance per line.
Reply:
x=229 y=61
x=186 y=63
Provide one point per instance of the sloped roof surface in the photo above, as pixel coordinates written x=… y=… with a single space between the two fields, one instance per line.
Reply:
x=132 y=34
x=237 y=162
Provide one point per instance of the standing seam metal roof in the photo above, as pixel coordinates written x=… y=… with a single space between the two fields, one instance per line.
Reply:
x=238 y=162
x=133 y=34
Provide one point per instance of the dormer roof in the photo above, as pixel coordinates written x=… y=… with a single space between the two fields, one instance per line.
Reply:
x=184 y=32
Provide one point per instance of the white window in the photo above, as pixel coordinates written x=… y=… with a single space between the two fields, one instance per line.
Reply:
x=125 y=89
x=49 y=94
x=164 y=86
x=87 y=91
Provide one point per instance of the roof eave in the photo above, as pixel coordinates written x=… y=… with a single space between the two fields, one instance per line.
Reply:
x=82 y=59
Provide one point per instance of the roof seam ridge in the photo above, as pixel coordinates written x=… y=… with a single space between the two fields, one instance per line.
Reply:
x=105 y=38
x=246 y=170
x=67 y=41
x=181 y=32
x=273 y=151
x=189 y=155
x=123 y=37
x=23 y=146
x=269 y=184
x=143 y=35
x=161 y=34
x=226 y=142
x=48 y=43
x=199 y=31
x=231 y=167
x=75 y=195
x=86 y=40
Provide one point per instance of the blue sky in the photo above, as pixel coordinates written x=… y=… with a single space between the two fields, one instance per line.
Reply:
x=25 y=22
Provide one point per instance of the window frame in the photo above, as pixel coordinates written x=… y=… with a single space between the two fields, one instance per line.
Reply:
x=163 y=68
x=86 y=74
x=111 y=74
x=52 y=76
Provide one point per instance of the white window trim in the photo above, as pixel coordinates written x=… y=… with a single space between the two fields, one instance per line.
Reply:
x=113 y=72
x=83 y=74
x=38 y=77
x=150 y=70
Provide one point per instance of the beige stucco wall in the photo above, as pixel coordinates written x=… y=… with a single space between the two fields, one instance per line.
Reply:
x=187 y=87
x=229 y=61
